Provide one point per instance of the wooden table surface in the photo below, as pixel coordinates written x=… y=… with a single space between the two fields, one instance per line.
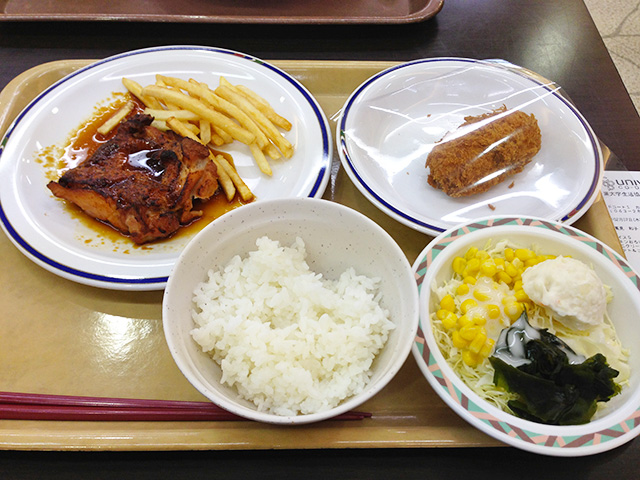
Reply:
x=556 y=39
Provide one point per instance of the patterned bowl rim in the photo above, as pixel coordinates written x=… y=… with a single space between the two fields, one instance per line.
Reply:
x=477 y=411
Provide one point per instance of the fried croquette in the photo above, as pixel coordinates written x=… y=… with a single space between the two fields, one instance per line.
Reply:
x=476 y=157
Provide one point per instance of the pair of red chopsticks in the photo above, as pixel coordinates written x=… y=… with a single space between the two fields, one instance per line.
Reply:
x=34 y=406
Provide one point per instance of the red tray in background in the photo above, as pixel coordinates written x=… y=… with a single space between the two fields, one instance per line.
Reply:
x=225 y=11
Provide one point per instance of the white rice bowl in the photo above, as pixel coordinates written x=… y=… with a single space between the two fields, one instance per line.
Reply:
x=339 y=241
x=289 y=340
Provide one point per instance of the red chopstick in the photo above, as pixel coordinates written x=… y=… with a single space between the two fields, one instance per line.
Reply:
x=34 y=406
x=75 y=401
x=56 y=412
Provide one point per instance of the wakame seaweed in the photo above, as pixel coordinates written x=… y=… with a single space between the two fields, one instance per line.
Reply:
x=552 y=390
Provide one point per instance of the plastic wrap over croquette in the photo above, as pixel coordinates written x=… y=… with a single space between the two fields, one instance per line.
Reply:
x=466 y=163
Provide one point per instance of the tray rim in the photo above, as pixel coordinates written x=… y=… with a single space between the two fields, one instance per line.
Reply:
x=160 y=436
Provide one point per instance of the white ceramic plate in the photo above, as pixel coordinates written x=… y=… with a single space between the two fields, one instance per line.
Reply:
x=38 y=224
x=390 y=123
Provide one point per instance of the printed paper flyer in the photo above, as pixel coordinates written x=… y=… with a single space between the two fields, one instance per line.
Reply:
x=621 y=192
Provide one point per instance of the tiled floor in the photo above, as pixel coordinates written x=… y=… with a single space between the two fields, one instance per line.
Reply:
x=619 y=24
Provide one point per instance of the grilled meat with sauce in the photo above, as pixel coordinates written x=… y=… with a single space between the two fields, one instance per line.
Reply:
x=142 y=182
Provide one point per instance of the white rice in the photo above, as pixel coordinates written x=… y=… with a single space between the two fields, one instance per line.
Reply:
x=288 y=340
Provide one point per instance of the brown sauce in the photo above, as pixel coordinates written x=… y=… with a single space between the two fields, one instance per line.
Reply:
x=86 y=139
x=82 y=143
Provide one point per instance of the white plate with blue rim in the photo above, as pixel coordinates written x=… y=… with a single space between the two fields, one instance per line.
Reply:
x=41 y=226
x=390 y=123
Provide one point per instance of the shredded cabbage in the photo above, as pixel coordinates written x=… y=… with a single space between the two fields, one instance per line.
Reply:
x=598 y=339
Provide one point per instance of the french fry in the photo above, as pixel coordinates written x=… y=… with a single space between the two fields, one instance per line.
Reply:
x=194 y=128
x=182 y=129
x=161 y=83
x=205 y=132
x=160 y=125
x=260 y=103
x=243 y=190
x=216 y=140
x=225 y=82
x=175 y=82
x=202 y=92
x=265 y=107
x=226 y=183
x=191 y=86
x=189 y=103
x=261 y=161
x=214 y=117
x=115 y=119
x=136 y=90
x=265 y=124
x=234 y=111
x=226 y=138
x=272 y=152
x=227 y=156
x=162 y=114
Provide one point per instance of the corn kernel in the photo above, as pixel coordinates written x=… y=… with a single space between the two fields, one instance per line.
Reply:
x=462 y=289
x=479 y=319
x=525 y=254
x=477 y=343
x=521 y=296
x=511 y=270
x=505 y=277
x=482 y=255
x=450 y=320
x=499 y=261
x=469 y=332
x=528 y=305
x=508 y=299
x=468 y=304
x=458 y=341
x=513 y=310
x=447 y=303
x=473 y=267
x=481 y=296
x=470 y=358
x=518 y=263
x=471 y=253
x=531 y=262
x=458 y=265
x=469 y=280
x=509 y=254
x=517 y=285
x=486 y=349
x=465 y=320
x=489 y=268
x=493 y=311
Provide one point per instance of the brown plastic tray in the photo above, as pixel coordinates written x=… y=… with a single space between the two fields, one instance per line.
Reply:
x=225 y=11
x=59 y=337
